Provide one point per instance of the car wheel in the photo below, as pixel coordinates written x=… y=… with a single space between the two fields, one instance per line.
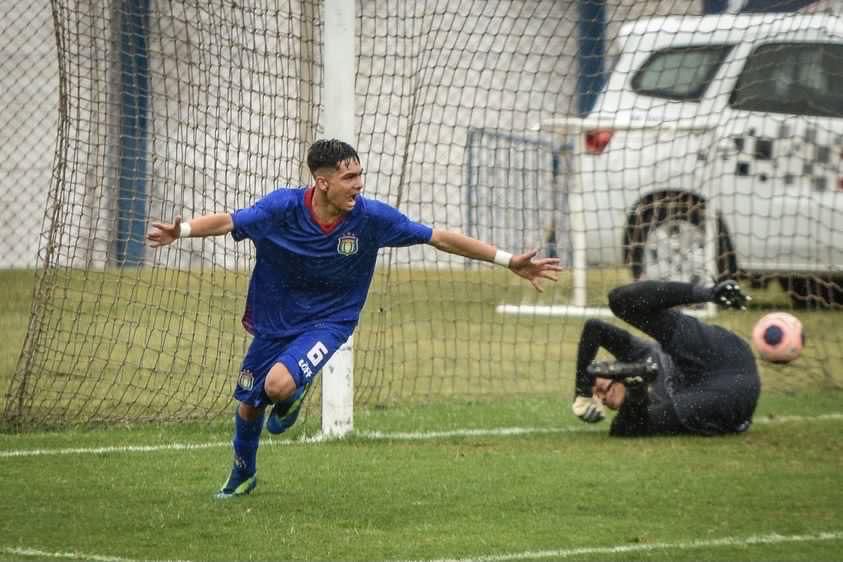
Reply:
x=813 y=292
x=666 y=241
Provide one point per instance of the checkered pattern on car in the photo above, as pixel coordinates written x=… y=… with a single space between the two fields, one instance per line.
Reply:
x=812 y=155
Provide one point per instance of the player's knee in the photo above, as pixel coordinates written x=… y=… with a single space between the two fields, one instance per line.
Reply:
x=279 y=383
x=248 y=412
x=618 y=304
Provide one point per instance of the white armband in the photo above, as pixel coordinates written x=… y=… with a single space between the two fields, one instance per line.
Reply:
x=184 y=229
x=503 y=258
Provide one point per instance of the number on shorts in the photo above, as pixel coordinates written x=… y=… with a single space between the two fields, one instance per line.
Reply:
x=317 y=353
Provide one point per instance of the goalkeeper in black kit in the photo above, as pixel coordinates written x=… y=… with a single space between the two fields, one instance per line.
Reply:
x=695 y=378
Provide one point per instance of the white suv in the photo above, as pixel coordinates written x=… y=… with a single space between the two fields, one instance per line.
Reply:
x=768 y=89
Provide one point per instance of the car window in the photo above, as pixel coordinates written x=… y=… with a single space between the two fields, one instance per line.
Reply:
x=795 y=78
x=681 y=73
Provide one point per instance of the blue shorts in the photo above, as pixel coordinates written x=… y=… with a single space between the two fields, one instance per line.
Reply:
x=303 y=355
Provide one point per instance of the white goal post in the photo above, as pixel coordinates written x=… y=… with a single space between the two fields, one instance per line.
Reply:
x=338 y=111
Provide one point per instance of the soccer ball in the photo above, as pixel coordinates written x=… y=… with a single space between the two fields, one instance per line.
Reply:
x=778 y=337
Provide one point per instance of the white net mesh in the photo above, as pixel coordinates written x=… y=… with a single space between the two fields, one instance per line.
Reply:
x=188 y=108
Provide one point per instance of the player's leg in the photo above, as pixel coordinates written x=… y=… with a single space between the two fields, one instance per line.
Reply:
x=287 y=396
x=617 y=341
x=249 y=416
x=647 y=305
x=248 y=422
x=291 y=377
x=695 y=347
x=279 y=384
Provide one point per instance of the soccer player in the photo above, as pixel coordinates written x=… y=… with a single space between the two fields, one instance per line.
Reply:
x=315 y=254
x=695 y=378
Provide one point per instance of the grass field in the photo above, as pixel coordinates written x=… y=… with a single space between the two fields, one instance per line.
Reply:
x=447 y=477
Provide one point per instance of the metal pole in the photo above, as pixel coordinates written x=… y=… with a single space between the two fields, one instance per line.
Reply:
x=132 y=142
x=592 y=31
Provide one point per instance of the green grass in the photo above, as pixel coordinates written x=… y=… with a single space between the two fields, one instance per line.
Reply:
x=558 y=487
x=15 y=308
x=487 y=495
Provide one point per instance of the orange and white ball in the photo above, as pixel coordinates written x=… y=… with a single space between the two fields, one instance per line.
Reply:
x=778 y=337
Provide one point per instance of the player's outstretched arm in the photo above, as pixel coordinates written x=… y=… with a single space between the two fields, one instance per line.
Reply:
x=161 y=234
x=524 y=265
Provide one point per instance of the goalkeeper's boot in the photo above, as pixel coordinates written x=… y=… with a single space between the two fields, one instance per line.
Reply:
x=284 y=414
x=632 y=372
x=237 y=485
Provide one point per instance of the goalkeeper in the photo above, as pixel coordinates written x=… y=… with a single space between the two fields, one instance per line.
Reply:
x=694 y=378
x=315 y=255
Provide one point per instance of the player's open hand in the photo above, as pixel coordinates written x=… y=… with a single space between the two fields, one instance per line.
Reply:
x=728 y=294
x=588 y=409
x=161 y=234
x=532 y=269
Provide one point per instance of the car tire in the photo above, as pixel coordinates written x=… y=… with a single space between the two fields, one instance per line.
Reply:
x=808 y=292
x=665 y=240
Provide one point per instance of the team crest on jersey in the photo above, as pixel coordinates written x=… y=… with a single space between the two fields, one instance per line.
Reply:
x=246 y=380
x=347 y=245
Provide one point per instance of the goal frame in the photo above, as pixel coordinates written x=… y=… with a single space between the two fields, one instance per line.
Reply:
x=338 y=111
x=576 y=127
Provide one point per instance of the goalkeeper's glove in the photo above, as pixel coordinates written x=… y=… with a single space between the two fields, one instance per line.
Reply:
x=588 y=409
x=728 y=294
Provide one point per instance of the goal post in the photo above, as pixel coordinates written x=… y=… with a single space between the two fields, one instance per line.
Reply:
x=338 y=111
x=571 y=131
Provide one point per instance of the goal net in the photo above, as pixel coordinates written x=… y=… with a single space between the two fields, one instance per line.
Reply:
x=511 y=121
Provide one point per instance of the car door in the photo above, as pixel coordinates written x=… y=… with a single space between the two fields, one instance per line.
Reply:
x=779 y=157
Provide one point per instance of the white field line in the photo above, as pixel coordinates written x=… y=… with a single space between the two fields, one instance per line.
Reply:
x=773 y=538
x=367 y=435
x=42 y=554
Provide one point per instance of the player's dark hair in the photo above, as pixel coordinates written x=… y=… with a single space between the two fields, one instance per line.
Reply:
x=330 y=153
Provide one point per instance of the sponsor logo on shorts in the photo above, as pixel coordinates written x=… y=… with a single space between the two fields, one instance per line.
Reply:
x=246 y=380
x=305 y=369
x=347 y=245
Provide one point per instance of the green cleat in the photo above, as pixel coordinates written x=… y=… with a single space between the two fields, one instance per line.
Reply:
x=284 y=414
x=237 y=486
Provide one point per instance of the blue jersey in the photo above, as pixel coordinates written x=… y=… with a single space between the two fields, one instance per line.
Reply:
x=308 y=276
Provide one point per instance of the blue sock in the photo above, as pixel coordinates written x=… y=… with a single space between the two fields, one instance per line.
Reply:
x=246 y=440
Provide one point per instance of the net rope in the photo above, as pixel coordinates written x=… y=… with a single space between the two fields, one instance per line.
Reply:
x=186 y=108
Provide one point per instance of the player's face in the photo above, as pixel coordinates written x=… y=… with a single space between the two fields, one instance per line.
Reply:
x=343 y=185
x=610 y=392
